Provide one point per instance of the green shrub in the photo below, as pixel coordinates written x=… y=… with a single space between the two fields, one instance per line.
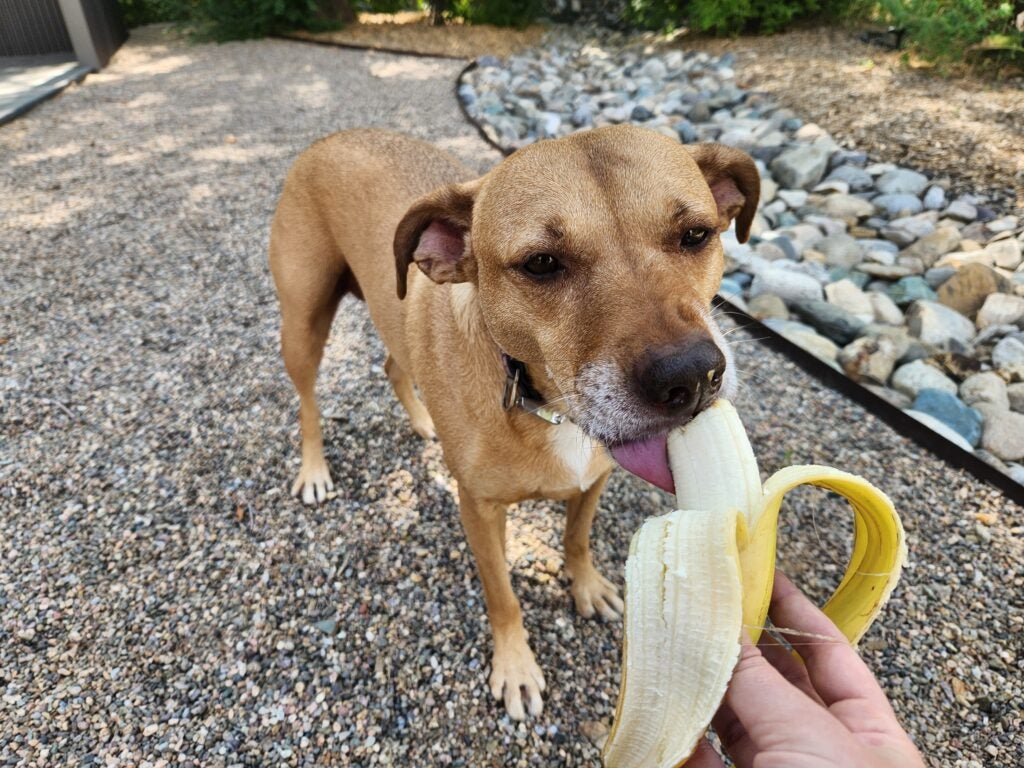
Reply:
x=139 y=12
x=240 y=19
x=943 y=30
x=730 y=17
x=657 y=15
x=501 y=13
x=388 y=6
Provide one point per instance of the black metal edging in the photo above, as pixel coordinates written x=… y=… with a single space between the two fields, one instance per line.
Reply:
x=370 y=47
x=906 y=425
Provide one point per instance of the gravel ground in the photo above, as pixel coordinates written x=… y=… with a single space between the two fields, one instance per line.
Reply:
x=163 y=602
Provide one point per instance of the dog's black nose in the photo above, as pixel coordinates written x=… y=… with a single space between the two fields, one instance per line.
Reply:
x=683 y=378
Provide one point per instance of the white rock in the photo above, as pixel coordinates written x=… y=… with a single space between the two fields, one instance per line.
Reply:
x=937 y=426
x=1002 y=432
x=794 y=198
x=913 y=377
x=788 y=285
x=1008 y=356
x=1000 y=309
x=885 y=309
x=1015 y=394
x=987 y=388
x=846 y=295
x=1005 y=253
x=938 y=325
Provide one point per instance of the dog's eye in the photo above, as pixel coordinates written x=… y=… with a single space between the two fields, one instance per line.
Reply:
x=541 y=265
x=694 y=237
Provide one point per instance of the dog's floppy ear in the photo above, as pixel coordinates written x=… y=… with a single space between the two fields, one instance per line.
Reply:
x=734 y=182
x=435 y=234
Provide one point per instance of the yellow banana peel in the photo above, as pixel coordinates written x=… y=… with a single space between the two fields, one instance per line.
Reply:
x=695 y=578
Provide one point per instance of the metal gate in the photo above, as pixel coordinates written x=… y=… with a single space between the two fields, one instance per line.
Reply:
x=32 y=27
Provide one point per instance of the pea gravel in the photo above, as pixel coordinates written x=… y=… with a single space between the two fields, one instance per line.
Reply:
x=163 y=602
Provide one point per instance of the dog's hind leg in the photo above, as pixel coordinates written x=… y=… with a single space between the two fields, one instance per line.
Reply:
x=422 y=424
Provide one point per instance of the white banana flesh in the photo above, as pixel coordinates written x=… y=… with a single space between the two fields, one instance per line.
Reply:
x=697 y=576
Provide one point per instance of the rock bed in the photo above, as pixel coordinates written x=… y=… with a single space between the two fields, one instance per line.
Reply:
x=869 y=266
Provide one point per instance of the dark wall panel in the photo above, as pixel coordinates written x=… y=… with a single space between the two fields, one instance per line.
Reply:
x=30 y=27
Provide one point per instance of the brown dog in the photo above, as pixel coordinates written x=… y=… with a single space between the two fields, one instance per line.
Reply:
x=577 y=273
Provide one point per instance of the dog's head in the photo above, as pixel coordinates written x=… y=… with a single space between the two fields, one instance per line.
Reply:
x=595 y=258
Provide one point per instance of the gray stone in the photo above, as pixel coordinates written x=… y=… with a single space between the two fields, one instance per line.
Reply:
x=1015 y=394
x=654 y=68
x=870 y=359
x=800 y=167
x=832 y=321
x=911 y=378
x=967 y=289
x=856 y=178
x=1008 y=357
x=885 y=309
x=794 y=198
x=1005 y=253
x=898 y=205
x=1002 y=433
x=906 y=230
x=1003 y=224
x=939 y=325
x=806 y=338
x=848 y=296
x=940 y=428
x=849 y=208
x=583 y=115
x=910 y=289
x=934 y=198
x=986 y=388
x=931 y=246
x=788 y=285
x=832 y=186
x=1000 y=309
x=948 y=409
x=549 y=125
x=766 y=306
x=840 y=251
x=936 y=276
x=961 y=211
x=901 y=181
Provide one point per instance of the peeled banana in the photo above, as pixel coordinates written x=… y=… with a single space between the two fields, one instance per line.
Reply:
x=695 y=578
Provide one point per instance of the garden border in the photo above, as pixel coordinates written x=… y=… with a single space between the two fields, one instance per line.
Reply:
x=905 y=425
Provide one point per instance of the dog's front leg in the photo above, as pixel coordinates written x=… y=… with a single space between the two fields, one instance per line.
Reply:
x=592 y=592
x=515 y=676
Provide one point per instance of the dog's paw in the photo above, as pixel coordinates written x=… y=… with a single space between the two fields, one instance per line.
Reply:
x=313 y=485
x=595 y=595
x=517 y=680
x=424 y=427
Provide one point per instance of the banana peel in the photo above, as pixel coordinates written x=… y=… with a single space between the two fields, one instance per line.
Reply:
x=697 y=577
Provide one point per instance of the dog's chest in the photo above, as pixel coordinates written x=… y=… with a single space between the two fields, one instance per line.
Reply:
x=580 y=456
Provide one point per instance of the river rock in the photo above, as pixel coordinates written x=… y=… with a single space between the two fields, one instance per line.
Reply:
x=898 y=205
x=930 y=247
x=788 y=285
x=910 y=289
x=901 y=181
x=857 y=179
x=831 y=321
x=806 y=338
x=870 y=359
x=848 y=208
x=840 y=251
x=1005 y=253
x=884 y=309
x=1015 y=394
x=766 y=306
x=1008 y=357
x=1002 y=432
x=999 y=309
x=948 y=409
x=911 y=378
x=848 y=296
x=940 y=428
x=934 y=198
x=801 y=167
x=988 y=388
x=967 y=289
x=939 y=325
x=961 y=210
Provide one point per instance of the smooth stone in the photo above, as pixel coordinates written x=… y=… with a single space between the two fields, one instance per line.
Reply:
x=961 y=211
x=936 y=276
x=967 y=289
x=583 y=115
x=788 y=285
x=994 y=332
x=849 y=208
x=948 y=409
x=550 y=123
x=940 y=428
x=911 y=263
x=877 y=169
x=830 y=320
x=1003 y=224
x=962 y=258
x=1007 y=253
x=686 y=130
x=730 y=288
x=769 y=189
x=853 y=157
x=857 y=179
x=934 y=198
x=827 y=224
x=654 y=68
x=840 y=251
x=939 y=325
x=911 y=378
x=1008 y=357
x=1000 y=309
x=1002 y=433
x=806 y=338
x=1015 y=471
x=832 y=186
x=987 y=387
x=794 y=198
x=766 y=306
x=1015 y=394
x=886 y=258
x=935 y=244
x=910 y=289
x=885 y=309
x=901 y=182
x=870 y=359
x=891 y=396
x=640 y=114
x=848 y=296
x=898 y=204
x=803 y=236
x=906 y=230
x=800 y=167
x=886 y=271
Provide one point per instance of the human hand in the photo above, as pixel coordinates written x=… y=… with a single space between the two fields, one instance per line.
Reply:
x=828 y=712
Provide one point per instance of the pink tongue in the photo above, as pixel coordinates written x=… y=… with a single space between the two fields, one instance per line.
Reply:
x=647 y=459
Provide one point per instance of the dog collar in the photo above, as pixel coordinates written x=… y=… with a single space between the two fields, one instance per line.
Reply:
x=520 y=393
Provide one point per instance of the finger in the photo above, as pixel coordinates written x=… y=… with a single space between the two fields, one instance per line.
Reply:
x=790 y=667
x=835 y=670
x=705 y=757
x=761 y=708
